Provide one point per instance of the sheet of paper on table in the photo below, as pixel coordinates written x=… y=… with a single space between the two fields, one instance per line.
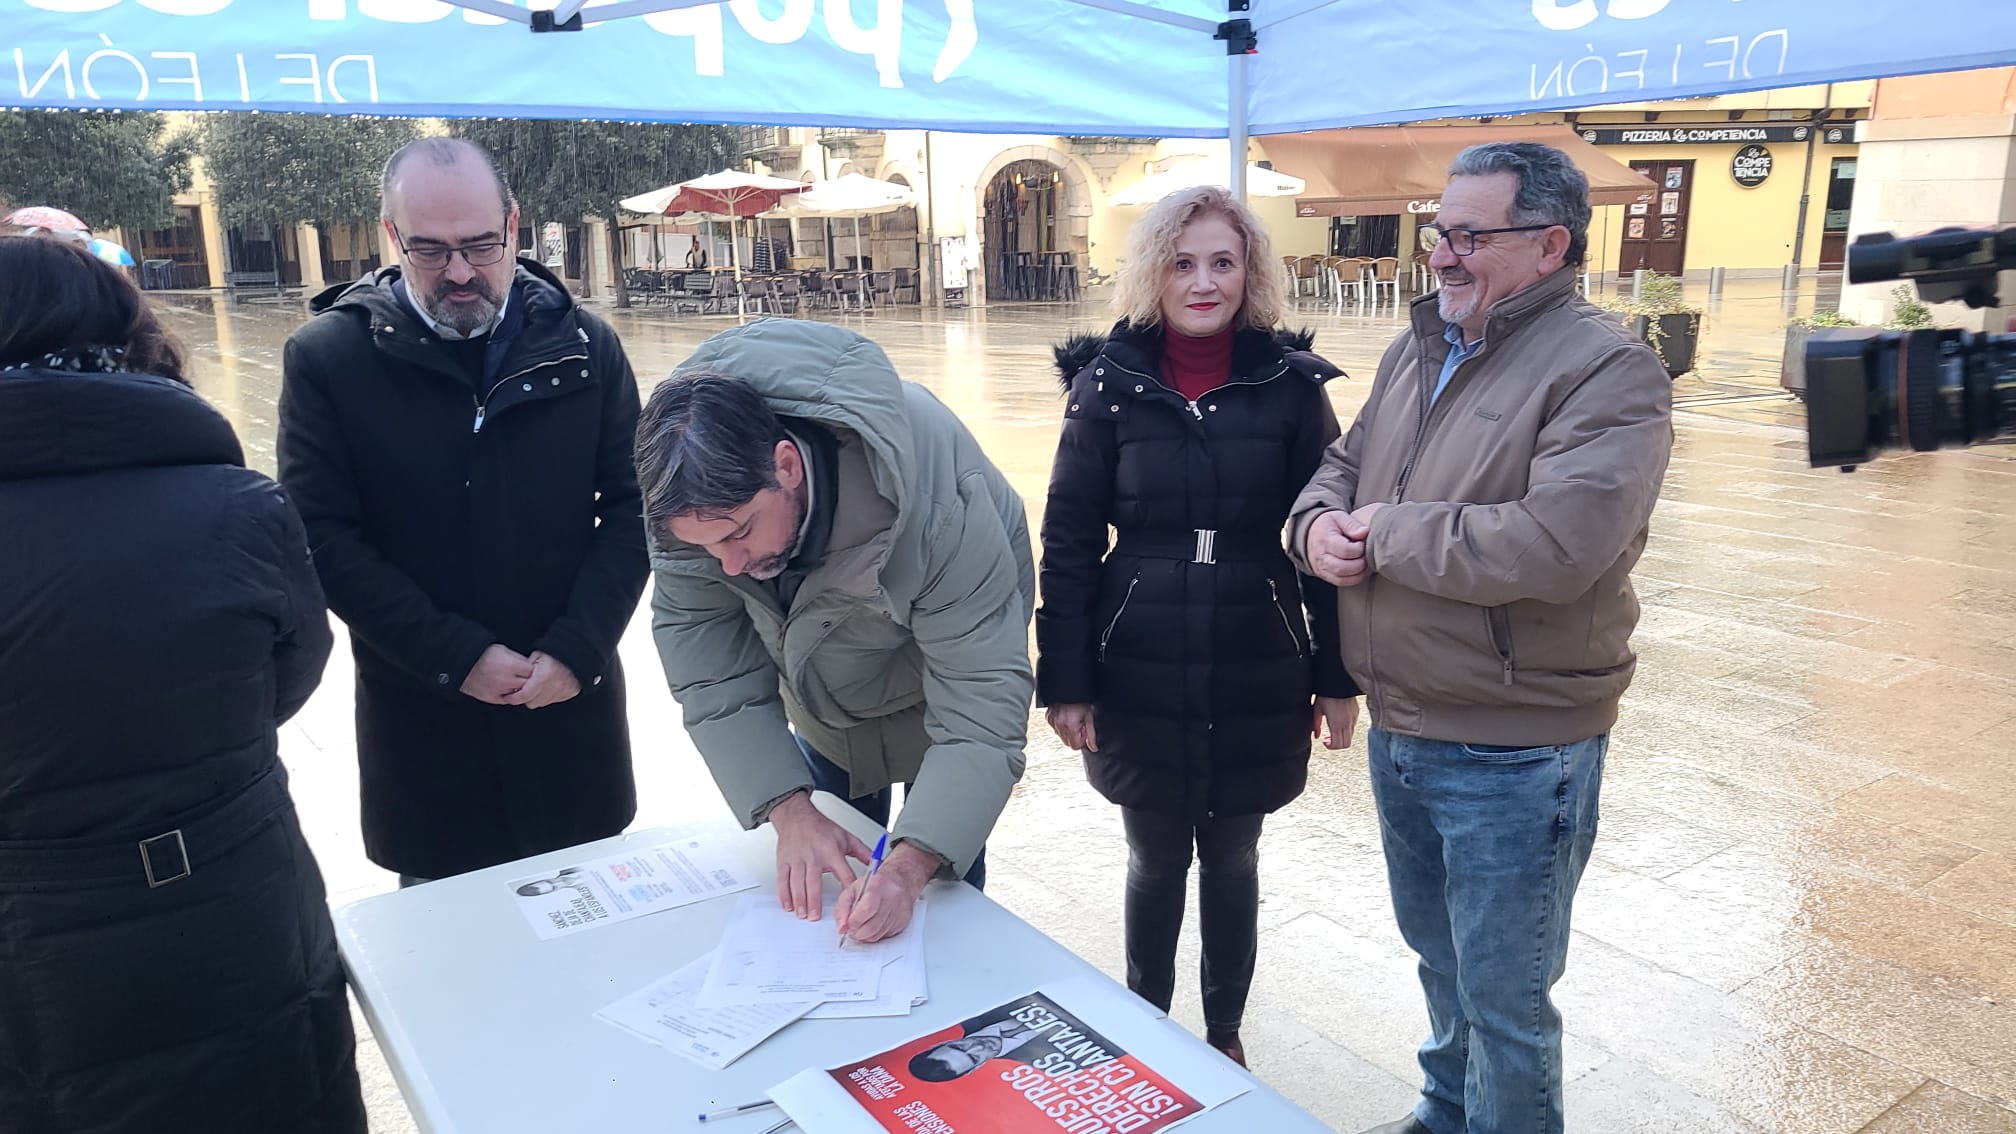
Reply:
x=662 y=877
x=768 y=955
x=903 y=985
x=668 y=1013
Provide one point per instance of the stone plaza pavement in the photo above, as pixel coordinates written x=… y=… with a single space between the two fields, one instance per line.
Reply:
x=1801 y=914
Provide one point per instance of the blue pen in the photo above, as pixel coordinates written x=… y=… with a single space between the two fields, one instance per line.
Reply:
x=875 y=864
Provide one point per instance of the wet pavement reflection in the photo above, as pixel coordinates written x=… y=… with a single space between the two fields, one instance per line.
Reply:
x=1801 y=915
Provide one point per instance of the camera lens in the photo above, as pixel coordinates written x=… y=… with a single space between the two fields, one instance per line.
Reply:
x=1868 y=391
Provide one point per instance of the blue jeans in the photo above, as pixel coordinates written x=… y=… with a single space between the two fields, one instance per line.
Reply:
x=830 y=777
x=1484 y=847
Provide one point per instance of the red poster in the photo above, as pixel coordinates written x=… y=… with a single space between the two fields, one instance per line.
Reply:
x=1028 y=1066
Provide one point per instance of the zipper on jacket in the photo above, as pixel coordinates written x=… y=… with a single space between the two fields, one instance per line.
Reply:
x=1426 y=406
x=1115 y=620
x=1228 y=385
x=483 y=406
x=1274 y=592
x=1499 y=625
x=1427 y=412
x=1191 y=403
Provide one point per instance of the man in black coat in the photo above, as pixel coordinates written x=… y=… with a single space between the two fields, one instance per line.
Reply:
x=457 y=435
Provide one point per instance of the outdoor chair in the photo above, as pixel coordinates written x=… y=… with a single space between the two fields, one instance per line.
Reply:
x=881 y=287
x=1424 y=276
x=785 y=293
x=813 y=287
x=1309 y=273
x=640 y=284
x=1386 y=277
x=707 y=292
x=840 y=289
x=1347 y=278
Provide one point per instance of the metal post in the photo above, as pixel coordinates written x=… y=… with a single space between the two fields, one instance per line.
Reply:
x=934 y=265
x=1239 y=126
x=826 y=174
x=1715 y=282
x=1789 y=283
x=1638 y=282
x=1806 y=183
x=1603 y=273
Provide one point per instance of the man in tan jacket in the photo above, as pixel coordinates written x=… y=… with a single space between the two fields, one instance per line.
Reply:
x=1481 y=518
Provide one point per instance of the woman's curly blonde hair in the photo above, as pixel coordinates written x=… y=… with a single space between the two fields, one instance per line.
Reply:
x=1151 y=258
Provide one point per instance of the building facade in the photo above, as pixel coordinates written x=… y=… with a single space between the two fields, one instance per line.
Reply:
x=1938 y=151
x=1747 y=183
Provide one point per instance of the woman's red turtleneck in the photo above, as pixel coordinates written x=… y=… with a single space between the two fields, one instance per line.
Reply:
x=1196 y=366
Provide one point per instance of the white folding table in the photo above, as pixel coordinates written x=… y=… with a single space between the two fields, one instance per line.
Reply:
x=490 y=1030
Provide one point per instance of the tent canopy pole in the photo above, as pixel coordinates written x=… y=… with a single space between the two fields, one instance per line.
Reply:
x=1241 y=44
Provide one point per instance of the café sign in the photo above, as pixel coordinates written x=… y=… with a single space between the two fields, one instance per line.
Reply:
x=1750 y=166
x=1711 y=135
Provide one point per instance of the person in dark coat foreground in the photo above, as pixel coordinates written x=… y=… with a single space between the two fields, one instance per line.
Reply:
x=1179 y=660
x=167 y=960
x=457 y=435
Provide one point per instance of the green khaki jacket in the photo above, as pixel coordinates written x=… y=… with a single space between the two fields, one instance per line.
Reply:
x=904 y=657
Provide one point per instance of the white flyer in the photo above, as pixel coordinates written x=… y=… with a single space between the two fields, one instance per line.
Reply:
x=618 y=888
x=668 y=1014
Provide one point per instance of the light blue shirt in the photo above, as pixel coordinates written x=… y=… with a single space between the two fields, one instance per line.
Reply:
x=1458 y=351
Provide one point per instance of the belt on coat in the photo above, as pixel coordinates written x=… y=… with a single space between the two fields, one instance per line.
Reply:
x=1198 y=545
x=157 y=860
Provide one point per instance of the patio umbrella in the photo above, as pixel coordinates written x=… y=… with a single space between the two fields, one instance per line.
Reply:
x=111 y=253
x=849 y=195
x=42 y=216
x=1205 y=171
x=729 y=193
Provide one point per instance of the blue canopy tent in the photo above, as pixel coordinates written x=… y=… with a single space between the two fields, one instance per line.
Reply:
x=1145 y=68
x=1151 y=68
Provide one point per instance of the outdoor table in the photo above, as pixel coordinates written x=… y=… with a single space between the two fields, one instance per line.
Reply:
x=489 y=1029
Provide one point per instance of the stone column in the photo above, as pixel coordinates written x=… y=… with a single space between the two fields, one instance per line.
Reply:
x=308 y=239
x=1917 y=174
x=216 y=247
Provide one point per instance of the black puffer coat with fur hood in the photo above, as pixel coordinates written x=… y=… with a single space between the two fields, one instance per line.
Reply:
x=1190 y=633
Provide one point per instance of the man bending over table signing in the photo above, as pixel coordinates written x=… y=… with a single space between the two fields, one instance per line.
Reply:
x=842 y=601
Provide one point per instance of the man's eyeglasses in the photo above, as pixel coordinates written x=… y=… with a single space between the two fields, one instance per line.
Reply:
x=1463 y=241
x=433 y=256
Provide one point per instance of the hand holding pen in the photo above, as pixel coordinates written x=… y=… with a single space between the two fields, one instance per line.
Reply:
x=881 y=905
x=861 y=887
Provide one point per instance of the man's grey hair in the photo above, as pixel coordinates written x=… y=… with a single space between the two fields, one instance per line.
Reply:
x=441 y=153
x=706 y=445
x=1551 y=189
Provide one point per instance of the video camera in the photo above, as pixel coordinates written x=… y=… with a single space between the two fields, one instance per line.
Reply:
x=1869 y=390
